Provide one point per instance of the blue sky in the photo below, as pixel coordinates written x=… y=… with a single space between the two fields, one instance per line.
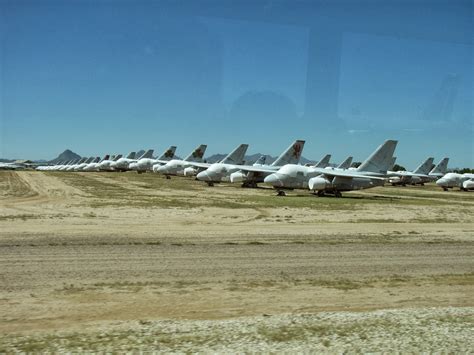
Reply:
x=102 y=76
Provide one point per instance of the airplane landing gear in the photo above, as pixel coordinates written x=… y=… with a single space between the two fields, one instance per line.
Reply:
x=168 y=177
x=321 y=193
x=281 y=193
x=337 y=193
x=250 y=184
x=210 y=184
x=445 y=189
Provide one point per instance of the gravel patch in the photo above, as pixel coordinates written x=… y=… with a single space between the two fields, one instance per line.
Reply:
x=409 y=330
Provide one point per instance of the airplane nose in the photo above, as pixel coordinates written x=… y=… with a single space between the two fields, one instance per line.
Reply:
x=203 y=176
x=273 y=179
x=160 y=169
x=441 y=182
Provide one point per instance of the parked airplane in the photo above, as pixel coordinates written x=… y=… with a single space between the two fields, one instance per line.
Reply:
x=106 y=165
x=370 y=173
x=418 y=176
x=147 y=163
x=451 y=180
x=177 y=166
x=61 y=166
x=218 y=171
x=123 y=163
x=439 y=170
x=296 y=176
x=11 y=166
x=323 y=163
x=79 y=166
x=346 y=164
x=94 y=166
x=83 y=166
x=69 y=164
x=250 y=175
x=76 y=164
x=468 y=184
x=260 y=161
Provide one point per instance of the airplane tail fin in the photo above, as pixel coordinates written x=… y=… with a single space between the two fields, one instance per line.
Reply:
x=236 y=156
x=346 y=164
x=261 y=160
x=324 y=162
x=291 y=155
x=106 y=157
x=131 y=155
x=117 y=157
x=381 y=160
x=96 y=160
x=168 y=153
x=89 y=160
x=424 y=167
x=392 y=164
x=197 y=154
x=147 y=155
x=441 y=168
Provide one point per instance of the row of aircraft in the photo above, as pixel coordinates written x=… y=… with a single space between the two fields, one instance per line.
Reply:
x=285 y=172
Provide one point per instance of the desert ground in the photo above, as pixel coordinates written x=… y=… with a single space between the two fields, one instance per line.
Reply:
x=126 y=261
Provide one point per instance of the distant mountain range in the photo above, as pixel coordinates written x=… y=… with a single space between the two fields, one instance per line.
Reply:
x=67 y=155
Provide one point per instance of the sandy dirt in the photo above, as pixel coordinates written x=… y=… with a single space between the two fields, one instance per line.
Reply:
x=89 y=254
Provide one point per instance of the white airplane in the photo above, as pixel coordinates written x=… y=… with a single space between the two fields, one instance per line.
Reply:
x=123 y=163
x=217 y=171
x=177 y=167
x=60 y=165
x=463 y=181
x=78 y=167
x=94 y=166
x=371 y=173
x=106 y=165
x=147 y=163
x=63 y=167
x=81 y=167
x=346 y=164
x=418 y=176
x=323 y=163
x=468 y=184
x=11 y=166
x=52 y=167
x=439 y=170
x=250 y=175
x=295 y=171
x=76 y=163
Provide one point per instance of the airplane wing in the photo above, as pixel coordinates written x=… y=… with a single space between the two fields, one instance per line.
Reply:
x=346 y=174
x=198 y=165
x=158 y=161
x=407 y=173
x=258 y=169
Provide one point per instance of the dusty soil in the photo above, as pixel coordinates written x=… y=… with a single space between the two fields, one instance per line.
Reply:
x=127 y=254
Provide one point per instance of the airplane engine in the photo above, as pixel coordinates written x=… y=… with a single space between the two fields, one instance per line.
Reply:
x=190 y=171
x=319 y=183
x=468 y=185
x=238 y=176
